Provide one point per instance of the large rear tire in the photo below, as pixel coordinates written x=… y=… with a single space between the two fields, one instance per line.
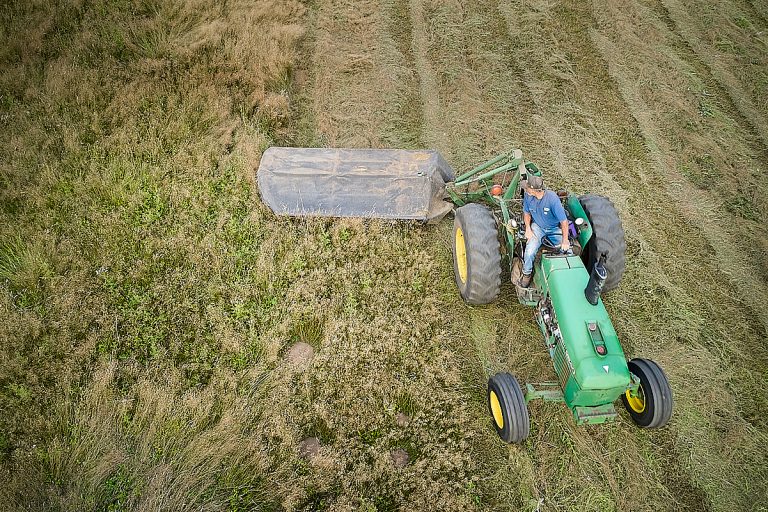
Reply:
x=652 y=406
x=476 y=256
x=509 y=412
x=607 y=238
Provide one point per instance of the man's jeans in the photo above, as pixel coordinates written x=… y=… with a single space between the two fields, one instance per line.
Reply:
x=554 y=235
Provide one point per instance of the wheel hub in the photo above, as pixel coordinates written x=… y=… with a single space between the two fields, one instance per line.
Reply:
x=461 y=255
x=498 y=418
x=637 y=401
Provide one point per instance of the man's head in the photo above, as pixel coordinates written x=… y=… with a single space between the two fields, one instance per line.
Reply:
x=534 y=186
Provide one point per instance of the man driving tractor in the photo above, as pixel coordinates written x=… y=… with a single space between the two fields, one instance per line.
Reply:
x=544 y=216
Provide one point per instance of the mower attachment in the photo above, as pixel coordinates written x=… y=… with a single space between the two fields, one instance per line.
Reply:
x=375 y=183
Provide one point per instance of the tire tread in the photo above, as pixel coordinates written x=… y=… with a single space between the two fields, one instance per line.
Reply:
x=483 y=257
x=662 y=401
x=517 y=423
x=607 y=237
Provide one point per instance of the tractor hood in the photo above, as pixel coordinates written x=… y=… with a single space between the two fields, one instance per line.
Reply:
x=581 y=324
x=376 y=183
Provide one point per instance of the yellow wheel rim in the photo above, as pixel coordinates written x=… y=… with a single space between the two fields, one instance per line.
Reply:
x=461 y=255
x=636 y=403
x=496 y=410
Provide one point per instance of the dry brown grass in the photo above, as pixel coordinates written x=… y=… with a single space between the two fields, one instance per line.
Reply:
x=128 y=127
x=159 y=448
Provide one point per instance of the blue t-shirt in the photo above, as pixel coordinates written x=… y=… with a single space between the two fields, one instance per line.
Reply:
x=547 y=212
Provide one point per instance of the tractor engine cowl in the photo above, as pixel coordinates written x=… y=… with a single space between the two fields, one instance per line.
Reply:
x=586 y=352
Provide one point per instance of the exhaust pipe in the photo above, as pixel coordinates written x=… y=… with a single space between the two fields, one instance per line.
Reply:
x=596 y=282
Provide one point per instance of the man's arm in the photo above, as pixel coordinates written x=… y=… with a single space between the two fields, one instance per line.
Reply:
x=528 y=230
x=559 y=212
x=566 y=245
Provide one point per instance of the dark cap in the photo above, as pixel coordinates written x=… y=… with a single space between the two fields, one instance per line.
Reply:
x=534 y=182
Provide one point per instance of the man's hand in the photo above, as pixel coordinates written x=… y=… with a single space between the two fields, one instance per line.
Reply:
x=527 y=220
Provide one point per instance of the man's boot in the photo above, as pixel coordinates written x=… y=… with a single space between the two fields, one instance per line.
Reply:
x=525 y=280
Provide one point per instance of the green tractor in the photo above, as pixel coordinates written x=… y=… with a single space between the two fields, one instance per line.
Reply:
x=488 y=234
x=589 y=362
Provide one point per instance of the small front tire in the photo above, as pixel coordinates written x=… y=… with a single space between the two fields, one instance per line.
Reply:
x=651 y=406
x=509 y=411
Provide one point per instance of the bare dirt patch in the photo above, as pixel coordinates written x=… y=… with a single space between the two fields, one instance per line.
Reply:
x=309 y=447
x=300 y=354
x=400 y=457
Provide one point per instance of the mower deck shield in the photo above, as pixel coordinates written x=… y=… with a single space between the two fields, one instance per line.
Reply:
x=375 y=183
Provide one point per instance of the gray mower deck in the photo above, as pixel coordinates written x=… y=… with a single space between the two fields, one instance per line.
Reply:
x=376 y=183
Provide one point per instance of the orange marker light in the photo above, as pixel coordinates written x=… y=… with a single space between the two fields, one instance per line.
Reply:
x=496 y=190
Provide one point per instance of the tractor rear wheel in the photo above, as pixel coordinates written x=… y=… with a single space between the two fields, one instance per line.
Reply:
x=476 y=257
x=607 y=238
x=651 y=406
x=508 y=409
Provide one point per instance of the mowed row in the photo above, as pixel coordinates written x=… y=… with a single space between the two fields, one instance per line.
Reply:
x=623 y=99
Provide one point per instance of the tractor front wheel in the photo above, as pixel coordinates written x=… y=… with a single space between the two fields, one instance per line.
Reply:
x=476 y=257
x=651 y=406
x=508 y=409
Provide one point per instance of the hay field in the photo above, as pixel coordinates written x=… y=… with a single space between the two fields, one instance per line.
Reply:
x=150 y=305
